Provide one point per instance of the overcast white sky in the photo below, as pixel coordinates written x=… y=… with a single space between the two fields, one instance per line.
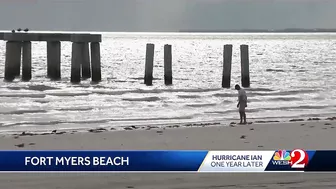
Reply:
x=166 y=15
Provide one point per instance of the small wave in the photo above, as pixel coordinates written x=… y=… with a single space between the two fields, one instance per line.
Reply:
x=70 y=94
x=282 y=93
x=259 y=89
x=141 y=78
x=224 y=95
x=296 y=107
x=137 y=78
x=274 y=70
x=74 y=109
x=24 y=95
x=200 y=105
x=317 y=62
x=188 y=96
x=229 y=101
x=33 y=87
x=120 y=81
x=92 y=121
x=192 y=90
x=147 y=99
x=41 y=88
x=301 y=71
x=18 y=112
x=253 y=110
x=41 y=101
x=255 y=100
x=221 y=112
x=284 y=99
x=154 y=91
x=15 y=88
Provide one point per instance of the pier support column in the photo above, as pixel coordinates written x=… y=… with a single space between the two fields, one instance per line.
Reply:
x=95 y=62
x=26 y=61
x=86 y=70
x=227 y=60
x=245 y=71
x=168 y=73
x=54 y=60
x=18 y=60
x=149 y=64
x=76 y=59
x=12 y=60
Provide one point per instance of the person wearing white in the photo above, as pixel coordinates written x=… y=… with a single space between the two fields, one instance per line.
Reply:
x=242 y=103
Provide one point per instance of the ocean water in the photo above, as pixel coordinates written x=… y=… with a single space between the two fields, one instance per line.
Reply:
x=292 y=75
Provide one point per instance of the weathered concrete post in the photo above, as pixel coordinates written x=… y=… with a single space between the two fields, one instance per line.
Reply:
x=149 y=64
x=168 y=73
x=54 y=59
x=76 y=59
x=26 y=61
x=95 y=62
x=18 y=60
x=245 y=71
x=227 y=60
x=86 y=70
x=12 y=60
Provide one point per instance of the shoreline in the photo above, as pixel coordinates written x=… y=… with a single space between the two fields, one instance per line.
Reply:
x=178 y=138
x=163 y=126
x=313 y=134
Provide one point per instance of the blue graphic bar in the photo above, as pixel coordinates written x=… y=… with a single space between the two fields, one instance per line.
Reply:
x=11 y=161
x=169 y=161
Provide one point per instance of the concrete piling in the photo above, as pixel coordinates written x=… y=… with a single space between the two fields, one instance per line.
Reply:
x=227 y=60
x=12 y=60
x=80 y=61
x=54 y=60
x=168 y=73
x=86 y=70
x=17 y=61
x=76 y=59
x=95 y=62
x=26 y=61
x=149 y=64
x=245 y=72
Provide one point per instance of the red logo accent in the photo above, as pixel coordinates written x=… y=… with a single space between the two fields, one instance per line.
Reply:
x=299 y=159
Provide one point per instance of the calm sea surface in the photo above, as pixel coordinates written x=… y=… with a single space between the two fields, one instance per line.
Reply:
x=292 y=75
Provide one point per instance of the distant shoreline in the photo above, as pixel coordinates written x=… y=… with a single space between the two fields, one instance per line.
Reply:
x=262 y=31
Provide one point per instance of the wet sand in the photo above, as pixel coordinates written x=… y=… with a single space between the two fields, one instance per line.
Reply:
x=313 y=134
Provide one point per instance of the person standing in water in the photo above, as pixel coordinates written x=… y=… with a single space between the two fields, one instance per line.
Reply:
x=242 y=103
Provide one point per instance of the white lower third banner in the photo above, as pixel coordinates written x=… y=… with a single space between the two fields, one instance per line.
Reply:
x=236 y=161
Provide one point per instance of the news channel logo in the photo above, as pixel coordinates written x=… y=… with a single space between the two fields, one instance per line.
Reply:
x=297 y=158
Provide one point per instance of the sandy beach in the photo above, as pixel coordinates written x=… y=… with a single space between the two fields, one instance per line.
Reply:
x=267 y=136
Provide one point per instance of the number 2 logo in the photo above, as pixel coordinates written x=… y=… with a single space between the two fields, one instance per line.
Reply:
x=299 y=159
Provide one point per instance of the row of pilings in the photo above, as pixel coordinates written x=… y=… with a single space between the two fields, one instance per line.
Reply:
x=88 y=65
x=81 y=65
x=227 y=62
